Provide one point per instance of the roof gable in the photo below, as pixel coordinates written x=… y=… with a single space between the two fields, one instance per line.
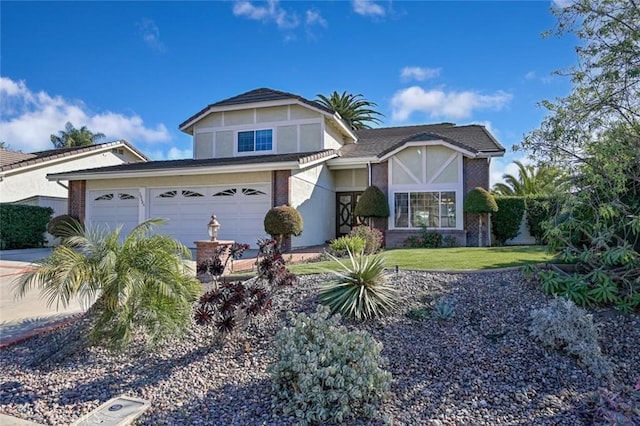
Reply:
x=473 y=139
x=254 y=96
x=42 y=157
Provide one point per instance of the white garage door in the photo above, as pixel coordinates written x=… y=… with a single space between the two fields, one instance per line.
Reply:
x=239 y=209
x=113 y=208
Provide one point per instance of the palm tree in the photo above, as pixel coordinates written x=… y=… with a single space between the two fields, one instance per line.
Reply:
x=543 y=180
x=354 y=109
x=71 y=137
x=140 y=284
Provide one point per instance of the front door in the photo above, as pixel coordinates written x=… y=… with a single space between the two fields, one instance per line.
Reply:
x=345 y=205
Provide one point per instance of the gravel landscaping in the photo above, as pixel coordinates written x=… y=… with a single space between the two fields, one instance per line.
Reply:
x=479 y=368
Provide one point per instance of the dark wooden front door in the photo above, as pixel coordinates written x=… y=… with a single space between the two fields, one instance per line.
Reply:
x=345 y=205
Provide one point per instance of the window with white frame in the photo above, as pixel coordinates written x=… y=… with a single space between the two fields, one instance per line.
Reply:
x=433 y=209
x=255 y=140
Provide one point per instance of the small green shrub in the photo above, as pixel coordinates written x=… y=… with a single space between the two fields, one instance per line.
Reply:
x=64 y=226
x=373 y=238
x=341 y=246
x=283 y=221
x=563 y=325
x=23 y=226
x=325 y=373
x=449 y=241
x=444 y=308
x=506 y=221
x=361 y=290
x=425 y=239
x=420 y=313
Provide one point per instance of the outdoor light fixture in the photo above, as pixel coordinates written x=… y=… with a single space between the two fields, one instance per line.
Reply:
x=213 y=227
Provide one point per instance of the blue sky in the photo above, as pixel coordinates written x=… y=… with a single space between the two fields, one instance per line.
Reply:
x=135 y=70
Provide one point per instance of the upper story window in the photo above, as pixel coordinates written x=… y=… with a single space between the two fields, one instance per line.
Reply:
x=255 y=140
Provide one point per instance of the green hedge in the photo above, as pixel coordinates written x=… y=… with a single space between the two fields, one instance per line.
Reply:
x=23 y=226
x=506 y=221
x=540 y=210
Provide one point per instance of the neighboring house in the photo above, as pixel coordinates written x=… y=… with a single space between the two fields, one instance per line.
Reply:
x=23 y=177
x=266 y=148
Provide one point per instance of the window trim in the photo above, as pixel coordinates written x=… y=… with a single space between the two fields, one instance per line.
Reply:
x=236 y=134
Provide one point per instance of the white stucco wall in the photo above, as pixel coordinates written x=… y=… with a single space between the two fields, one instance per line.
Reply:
x=312 y=193
x=31 y=181
x=332 y=138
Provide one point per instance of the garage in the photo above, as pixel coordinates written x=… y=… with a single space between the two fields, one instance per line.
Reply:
x=239 y=209
x=113 y=208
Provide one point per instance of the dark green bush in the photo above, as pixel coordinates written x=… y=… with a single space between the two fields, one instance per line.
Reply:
x=426 y=239
x=373 y=238
x=540 y=210
x=506 y=221
x=61 y=226
x=372 y=203
x=23 y=226
x=283 y=221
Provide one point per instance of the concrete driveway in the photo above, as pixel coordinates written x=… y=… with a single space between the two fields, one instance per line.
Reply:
x=20 y=318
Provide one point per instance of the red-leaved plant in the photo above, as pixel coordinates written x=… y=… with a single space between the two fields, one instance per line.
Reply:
x=232 y=304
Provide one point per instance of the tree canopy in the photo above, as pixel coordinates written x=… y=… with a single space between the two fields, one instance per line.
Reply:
x=541 y=180
x=71 y=137
x=594 y=133
x=355 y=110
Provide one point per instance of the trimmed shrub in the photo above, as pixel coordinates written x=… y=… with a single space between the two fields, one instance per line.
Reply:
x=479 y=200
x=23 y=226
x=506 y=221
x=373 y=238
x=341 y=246
x=372 y=203
x=64 y=225
x=325 y=373
x=361 y=290
x=283 y=221
x=563 y=325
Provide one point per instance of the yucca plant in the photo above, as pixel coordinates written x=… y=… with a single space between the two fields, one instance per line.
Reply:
x=361 y=289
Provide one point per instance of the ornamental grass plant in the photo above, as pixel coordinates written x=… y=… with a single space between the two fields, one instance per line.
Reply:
x=361 y=289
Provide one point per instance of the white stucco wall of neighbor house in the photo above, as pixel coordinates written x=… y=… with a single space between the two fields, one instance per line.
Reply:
x=31 y=181
x=312 y=193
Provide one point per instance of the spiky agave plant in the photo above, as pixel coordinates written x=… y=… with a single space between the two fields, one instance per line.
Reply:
x=360 y=290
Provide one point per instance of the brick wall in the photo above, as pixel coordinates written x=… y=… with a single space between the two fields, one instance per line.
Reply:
x=476 y=173
x=280 y=196
x=395 y=238
x=380 y=178
x=77 y=199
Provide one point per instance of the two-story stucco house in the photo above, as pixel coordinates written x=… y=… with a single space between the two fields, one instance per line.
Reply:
x=266 y=148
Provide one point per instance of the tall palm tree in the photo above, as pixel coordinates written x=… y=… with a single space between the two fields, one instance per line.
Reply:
x=140 y=284
x=71 y=137
x=355 y=110
x=542 y=180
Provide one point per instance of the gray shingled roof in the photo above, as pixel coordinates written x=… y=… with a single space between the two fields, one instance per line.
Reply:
x=380 y=141
x=300 y=157
x=10 y=157
x=257 y=95
x=51 y=154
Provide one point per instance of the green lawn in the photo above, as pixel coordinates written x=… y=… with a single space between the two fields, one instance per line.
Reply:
x=447 y=259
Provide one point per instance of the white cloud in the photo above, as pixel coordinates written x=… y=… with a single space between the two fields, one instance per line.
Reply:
x=419 y=73
x=438 y=103
x=315 y=18
x=174 y=153
x=368 y=8
x=562 y=3
x=530 y=75
x=30 y=118
x=272 y=12
x=150 y=34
